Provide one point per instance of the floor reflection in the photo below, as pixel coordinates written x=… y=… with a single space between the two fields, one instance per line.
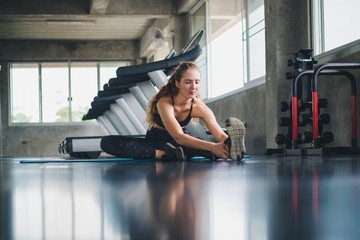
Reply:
x=261 y=198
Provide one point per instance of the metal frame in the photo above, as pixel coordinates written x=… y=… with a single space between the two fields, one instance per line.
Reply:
x=314 y=81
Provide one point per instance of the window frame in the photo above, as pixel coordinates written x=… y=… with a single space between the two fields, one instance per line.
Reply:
x=247 y=83
x=317 y=26
x=39 y=64
x=192 y=31
x=246 y=47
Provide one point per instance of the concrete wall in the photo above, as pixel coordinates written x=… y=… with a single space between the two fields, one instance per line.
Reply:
x=68 y=50
x=287 y=31
x=248 y=106
x=43 y=140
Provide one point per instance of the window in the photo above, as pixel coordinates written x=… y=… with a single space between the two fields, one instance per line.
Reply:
x=48 y=92
x=226 y=46
x=335 y=23
x=107 y=71
x=54 y=92
x=235 y=43
x=254 y=39
x=25 y=104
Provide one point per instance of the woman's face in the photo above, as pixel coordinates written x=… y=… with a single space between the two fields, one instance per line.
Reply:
x=189 y=85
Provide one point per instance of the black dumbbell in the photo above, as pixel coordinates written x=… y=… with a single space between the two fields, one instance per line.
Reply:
x=299 y=138
x=302 y=105
x=290 y=62
x=324 y=118
x=280 y=139
x=304 y=119
x=307 y=118
x=284 y=106
x=289 y=75
x=322 y=102
x=284 y=121
x=327 y=137
x=306 y=137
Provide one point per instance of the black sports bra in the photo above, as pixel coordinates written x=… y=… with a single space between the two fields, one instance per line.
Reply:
x=160 y=123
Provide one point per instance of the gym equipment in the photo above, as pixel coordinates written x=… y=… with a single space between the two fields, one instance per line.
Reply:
x=314 y=83
x=308 y=118
x=284 y=106
x=302 y=63
x=326 y=137
x=312 y=104
x=120 y=109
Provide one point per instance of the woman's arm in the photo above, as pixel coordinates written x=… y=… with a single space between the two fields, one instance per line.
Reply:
x=205 y=113
x=166 y=111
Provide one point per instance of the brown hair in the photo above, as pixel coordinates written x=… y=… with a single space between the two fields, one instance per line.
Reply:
x=170 y=89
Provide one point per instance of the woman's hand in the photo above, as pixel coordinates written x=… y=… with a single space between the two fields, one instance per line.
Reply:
x=220 y=150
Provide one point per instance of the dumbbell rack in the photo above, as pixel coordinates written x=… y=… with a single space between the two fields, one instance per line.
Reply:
x=326 y=137
x=309 y=79
x=303 y=63
x=317 y=141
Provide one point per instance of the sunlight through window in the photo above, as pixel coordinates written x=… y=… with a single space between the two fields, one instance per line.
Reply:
x=56 y=92
x=330 y=17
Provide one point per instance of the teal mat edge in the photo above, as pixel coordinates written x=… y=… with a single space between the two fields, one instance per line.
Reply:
x=70 y=160
x=78 y=160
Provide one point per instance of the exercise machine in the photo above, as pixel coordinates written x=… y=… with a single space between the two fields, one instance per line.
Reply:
x=120 y=109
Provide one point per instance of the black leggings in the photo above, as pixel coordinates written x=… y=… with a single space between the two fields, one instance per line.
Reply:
x=144 y=148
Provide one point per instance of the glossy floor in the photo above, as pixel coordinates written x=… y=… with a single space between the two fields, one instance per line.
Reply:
x=264 y=197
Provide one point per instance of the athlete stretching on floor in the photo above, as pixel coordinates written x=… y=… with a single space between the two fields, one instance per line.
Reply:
x=172 y=108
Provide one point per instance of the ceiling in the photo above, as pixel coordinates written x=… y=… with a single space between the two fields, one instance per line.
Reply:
x=73 y=27
x=80 y=19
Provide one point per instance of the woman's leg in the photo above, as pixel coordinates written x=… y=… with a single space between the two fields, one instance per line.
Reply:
x=158 y=138
x=166 y=145
x=191 y=152
x=128 y=147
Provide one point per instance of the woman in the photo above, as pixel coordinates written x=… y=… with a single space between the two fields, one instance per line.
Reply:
x=171 y=109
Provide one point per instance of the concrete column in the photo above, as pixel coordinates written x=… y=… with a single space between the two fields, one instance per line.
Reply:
x=181 y=31
x=287 y=31
x=3 y=70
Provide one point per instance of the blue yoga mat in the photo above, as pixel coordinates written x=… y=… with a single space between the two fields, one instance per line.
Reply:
x=76 y=160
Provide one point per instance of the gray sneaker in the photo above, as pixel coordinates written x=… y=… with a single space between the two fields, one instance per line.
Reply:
x=236 y=141
x=173 y=153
